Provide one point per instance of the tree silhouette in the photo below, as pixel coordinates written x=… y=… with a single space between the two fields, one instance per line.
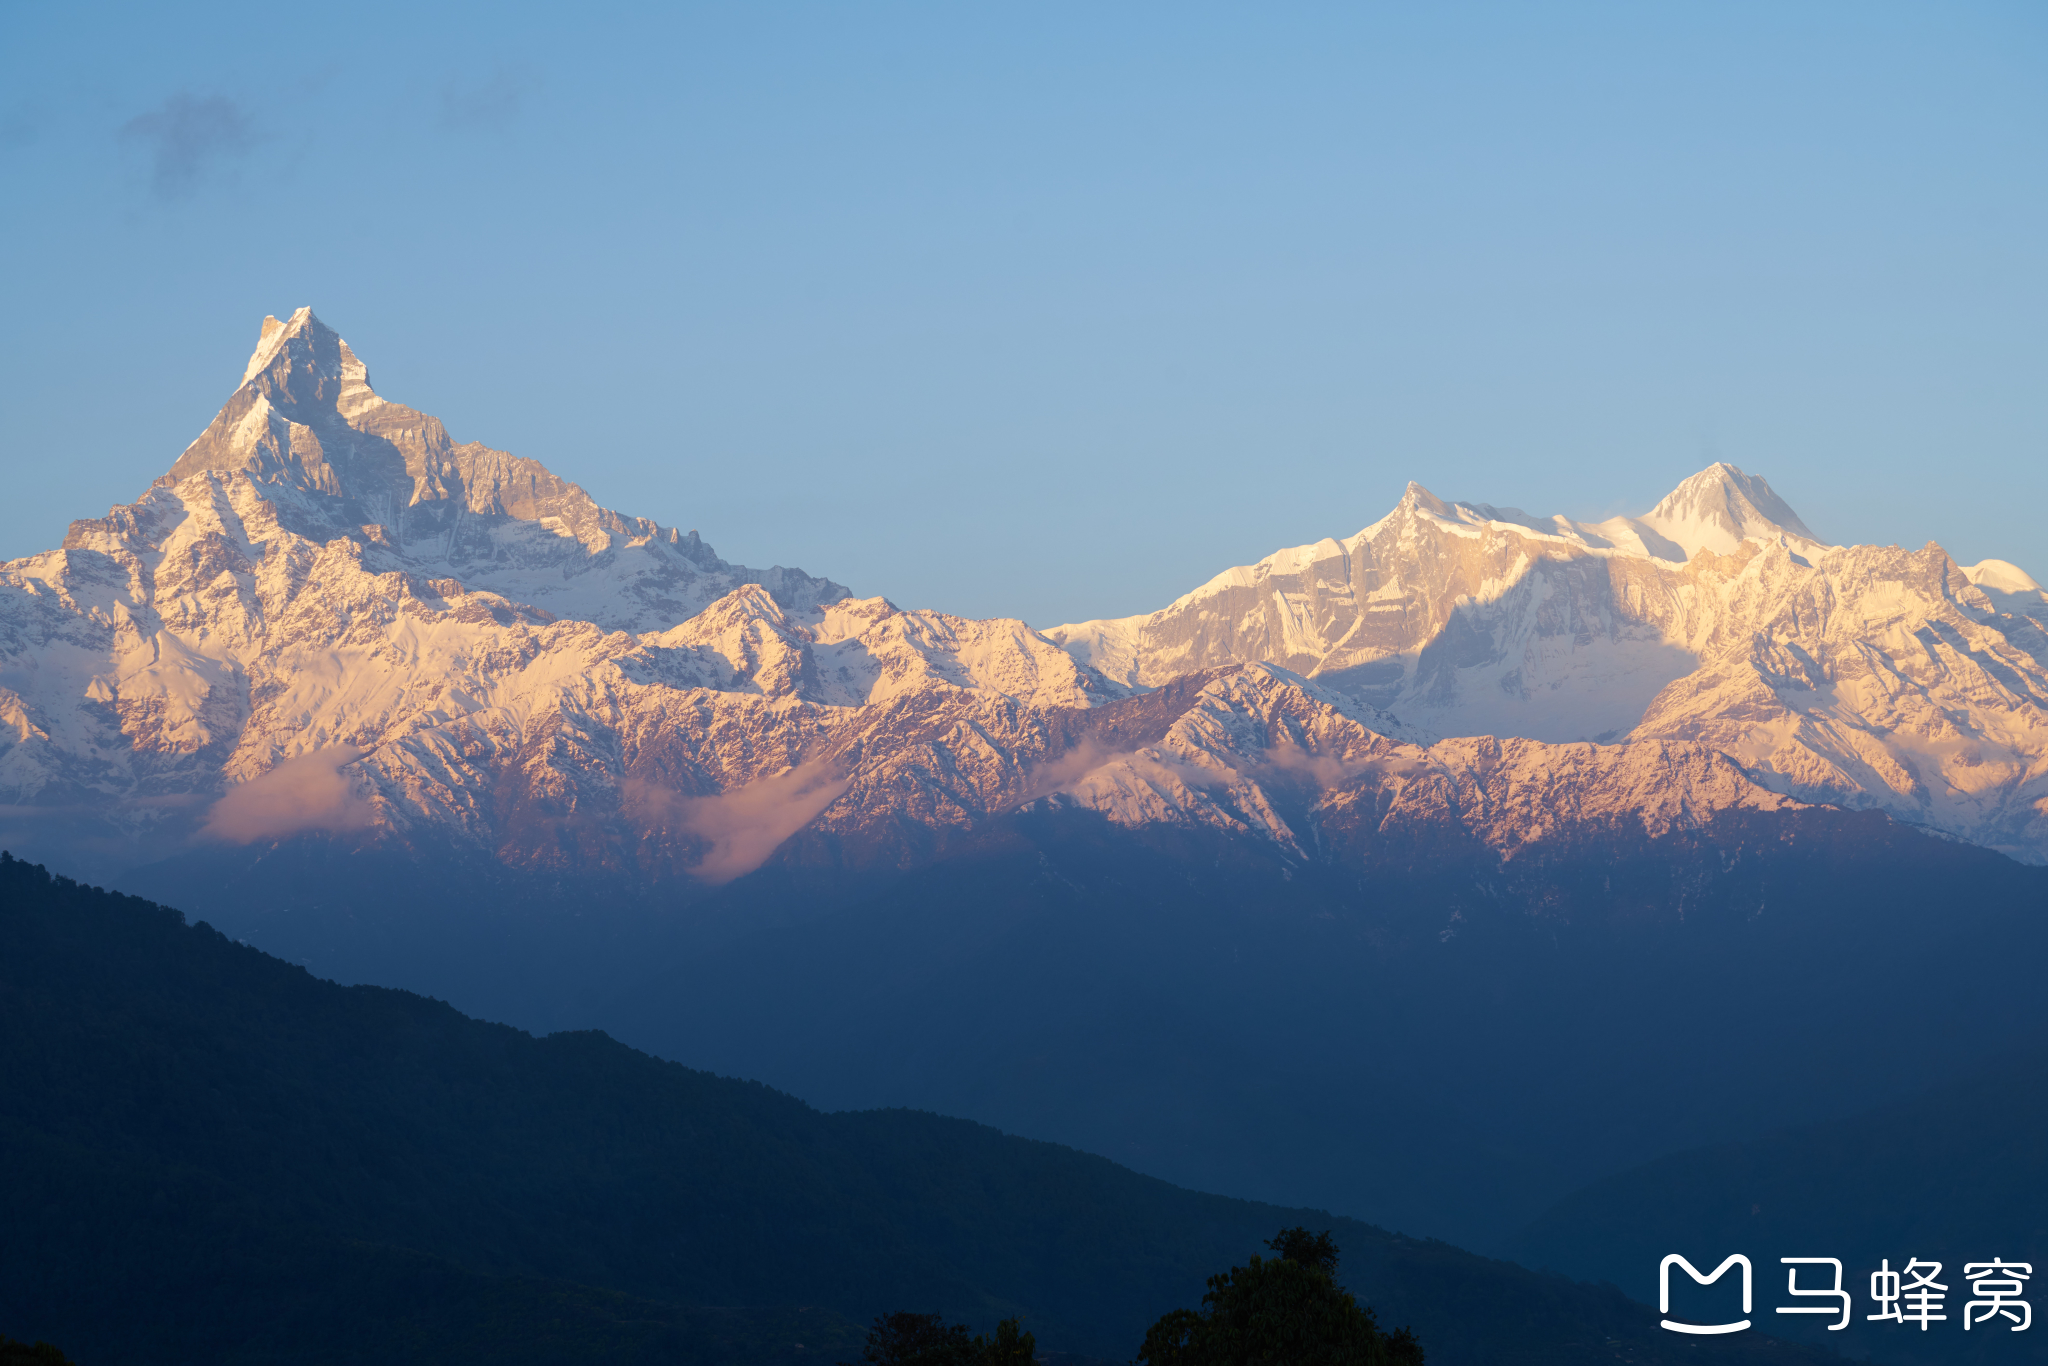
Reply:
x=928 y=1340
x=14 y=1353
x=1286 y=1309
x=1310 y=1249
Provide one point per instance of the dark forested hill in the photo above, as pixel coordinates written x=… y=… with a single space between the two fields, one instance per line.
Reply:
x=212 y=1156
x=1193 y=1006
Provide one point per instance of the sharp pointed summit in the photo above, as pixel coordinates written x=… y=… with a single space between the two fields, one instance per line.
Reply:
x=301 y=345
x=1417 y=497
x=331 y=460
x=302 y=415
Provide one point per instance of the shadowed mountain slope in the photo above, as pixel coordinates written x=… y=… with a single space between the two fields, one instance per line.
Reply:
x=1207 y=1012
x=1204 y=1008
x=214 y=1157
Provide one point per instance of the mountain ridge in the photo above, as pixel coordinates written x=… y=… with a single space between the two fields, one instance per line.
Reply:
x=1861 y=676
x=328 y=617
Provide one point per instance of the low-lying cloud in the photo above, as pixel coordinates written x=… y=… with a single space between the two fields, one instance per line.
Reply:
x=1323 y=770
x=307 y=793
x=187 y=138
x=743 y=826
x=1059 y=774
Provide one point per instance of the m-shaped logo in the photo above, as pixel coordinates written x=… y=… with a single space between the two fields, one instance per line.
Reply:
x=1664 y=1293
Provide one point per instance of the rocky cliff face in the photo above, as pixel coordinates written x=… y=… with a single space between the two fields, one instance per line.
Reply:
x=330 y=617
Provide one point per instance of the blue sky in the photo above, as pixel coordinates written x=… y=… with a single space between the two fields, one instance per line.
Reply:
x=1055 y=310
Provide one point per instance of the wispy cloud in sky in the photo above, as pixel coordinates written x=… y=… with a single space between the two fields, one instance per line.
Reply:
x=187 y=139
x=490 y=104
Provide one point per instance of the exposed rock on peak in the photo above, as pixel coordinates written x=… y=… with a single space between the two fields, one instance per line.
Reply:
x=307 y=434
x=302 y=384
x=266 y=342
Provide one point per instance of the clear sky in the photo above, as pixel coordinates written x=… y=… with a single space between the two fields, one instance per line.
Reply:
x=1055 y=310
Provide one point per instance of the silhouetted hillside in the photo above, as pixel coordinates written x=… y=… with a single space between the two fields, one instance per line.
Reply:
x=213 y=1156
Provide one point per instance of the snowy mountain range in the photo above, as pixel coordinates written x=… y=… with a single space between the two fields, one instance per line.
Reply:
x=329 y=617
x=1857 y=676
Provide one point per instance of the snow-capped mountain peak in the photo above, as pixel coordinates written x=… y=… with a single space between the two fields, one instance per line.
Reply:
x=306 y=435
x=1716 y=510
x=2009 y=588
x=1416 y=498
x=333 y=613
x=331 y=616
x=1716 y=618
x=1721 y=507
